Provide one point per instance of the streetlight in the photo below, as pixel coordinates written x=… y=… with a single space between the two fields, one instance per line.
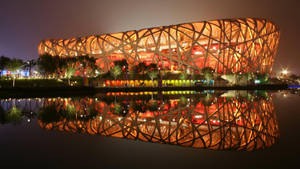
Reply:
x=284 y=72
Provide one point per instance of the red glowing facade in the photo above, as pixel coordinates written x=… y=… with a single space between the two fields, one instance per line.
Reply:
x=211 y=123
x=227 y=45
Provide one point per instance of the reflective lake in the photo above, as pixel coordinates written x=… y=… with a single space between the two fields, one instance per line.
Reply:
x=174 y=129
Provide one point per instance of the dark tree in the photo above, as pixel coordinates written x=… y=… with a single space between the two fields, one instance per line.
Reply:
x=14 y=65
x=208 y=73
x=122 y=63
x=152 y=66
x=207 y=70
x=2 y=116
x=49 y=114
x=294 y=77
x=29 y=65
x=3 y=62
x=47 y=64
x=142 y=67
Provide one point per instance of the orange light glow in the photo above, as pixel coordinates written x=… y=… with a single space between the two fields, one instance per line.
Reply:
x=229 y=45
x=223 y=124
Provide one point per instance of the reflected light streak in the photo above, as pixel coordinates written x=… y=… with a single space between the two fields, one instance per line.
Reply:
x=215 y=123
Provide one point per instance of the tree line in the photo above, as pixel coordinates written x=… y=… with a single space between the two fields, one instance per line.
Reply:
x=16 y=64
x=52 y=66
x=85 y=66
x=65 y=67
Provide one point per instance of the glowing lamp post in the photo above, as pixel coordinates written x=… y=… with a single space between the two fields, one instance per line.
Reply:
x=284 y=73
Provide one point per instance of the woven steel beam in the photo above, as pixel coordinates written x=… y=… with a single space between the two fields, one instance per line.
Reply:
x=227 y=45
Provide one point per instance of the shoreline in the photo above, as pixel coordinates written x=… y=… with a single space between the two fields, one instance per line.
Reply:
x=91 y=91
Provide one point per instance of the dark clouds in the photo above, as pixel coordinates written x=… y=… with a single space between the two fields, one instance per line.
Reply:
x=24 y=23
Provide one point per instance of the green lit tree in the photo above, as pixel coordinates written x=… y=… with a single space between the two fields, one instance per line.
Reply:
x=263 y=78
x=14 y=115
x=183 y=76
x=116 y=71
x=70 y=112
x=152 y=74
x=14 y=65
x=183 y=101
x=208 y=73
x=117 y=108
x=69 y=72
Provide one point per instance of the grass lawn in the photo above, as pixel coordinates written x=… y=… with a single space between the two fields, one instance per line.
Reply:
x=31 y=83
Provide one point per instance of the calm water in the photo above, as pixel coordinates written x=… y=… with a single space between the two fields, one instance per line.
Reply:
x=215 y=129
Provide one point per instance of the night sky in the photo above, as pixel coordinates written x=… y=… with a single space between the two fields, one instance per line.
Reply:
x=23 y=23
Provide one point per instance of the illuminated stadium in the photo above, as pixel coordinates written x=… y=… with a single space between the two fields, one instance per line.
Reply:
x=215 y=123
x=227 y=45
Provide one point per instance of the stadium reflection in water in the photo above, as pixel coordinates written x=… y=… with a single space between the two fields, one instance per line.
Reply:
x=210 y=121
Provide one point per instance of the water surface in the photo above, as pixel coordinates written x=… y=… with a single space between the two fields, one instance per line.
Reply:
x=234 y=129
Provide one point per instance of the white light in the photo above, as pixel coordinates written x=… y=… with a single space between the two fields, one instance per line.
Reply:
x=284 y=71
x=256 y=81
x=198 y=116
x=198 y=53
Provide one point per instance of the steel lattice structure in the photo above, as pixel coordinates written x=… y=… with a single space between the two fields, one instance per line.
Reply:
x=225 y=124
x=227 y=45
